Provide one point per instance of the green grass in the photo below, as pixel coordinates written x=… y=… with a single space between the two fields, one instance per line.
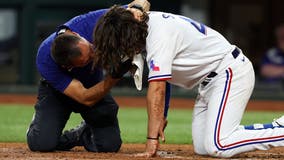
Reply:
x=133 y=123
x=15 y=119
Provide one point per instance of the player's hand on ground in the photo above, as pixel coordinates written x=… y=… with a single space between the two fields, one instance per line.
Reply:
x=162 y=129
x=151 y=149
x=143 y=3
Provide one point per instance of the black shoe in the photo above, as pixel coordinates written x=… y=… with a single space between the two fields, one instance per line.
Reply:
x=72 y=137
x=279 y=121
x=89 y=140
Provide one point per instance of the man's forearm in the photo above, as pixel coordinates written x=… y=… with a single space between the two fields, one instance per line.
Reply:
x=97 y=92
x=155 y=103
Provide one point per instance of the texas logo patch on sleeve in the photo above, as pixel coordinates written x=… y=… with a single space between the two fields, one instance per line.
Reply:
x=154 y=67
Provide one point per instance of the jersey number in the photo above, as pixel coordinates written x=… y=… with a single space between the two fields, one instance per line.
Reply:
x=199 y=26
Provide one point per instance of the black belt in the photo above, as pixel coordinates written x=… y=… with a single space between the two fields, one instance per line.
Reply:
x=236 y=52
x=45 y=83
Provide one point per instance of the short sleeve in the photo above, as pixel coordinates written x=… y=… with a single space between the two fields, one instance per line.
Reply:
x=51 y=72
x=56 y=79
x=161 y=50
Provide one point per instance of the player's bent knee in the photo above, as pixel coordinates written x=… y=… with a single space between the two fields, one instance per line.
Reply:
x=219 y=153
x=199 y=149
x=36 y=143
x=214 y=151
x=110 y=146
x=210 y=147
x=40 y=147
x=211 y=151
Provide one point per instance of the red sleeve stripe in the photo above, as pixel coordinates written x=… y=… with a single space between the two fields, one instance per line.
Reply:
x=160 y=77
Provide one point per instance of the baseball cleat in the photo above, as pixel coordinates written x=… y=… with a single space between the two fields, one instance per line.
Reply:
x=72 y=137
x=280 y=121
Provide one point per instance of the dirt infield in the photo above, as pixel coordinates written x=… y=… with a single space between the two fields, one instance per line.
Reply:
x=19 y=151
x=264 y=105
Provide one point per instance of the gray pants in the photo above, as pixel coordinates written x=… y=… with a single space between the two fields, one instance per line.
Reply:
x=53 y=109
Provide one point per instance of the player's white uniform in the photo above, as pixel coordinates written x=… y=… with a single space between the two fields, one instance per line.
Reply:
x=184 y=53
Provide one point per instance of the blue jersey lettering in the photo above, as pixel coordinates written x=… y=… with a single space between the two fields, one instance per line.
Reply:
x=199 y=26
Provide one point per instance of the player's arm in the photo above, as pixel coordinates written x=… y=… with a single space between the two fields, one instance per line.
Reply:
x=155 y=107
x=92 y=95
x=166 y=109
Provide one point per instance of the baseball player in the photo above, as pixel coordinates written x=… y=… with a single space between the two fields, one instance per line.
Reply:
x=69 y=84
x=186 y=53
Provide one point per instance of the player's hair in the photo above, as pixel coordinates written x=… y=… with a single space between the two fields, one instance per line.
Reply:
x=64 y=49
x=118 y=35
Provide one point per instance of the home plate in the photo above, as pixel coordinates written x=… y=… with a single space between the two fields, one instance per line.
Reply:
x=166 y=154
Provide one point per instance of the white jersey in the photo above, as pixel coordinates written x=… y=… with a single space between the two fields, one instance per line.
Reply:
x=182 y=51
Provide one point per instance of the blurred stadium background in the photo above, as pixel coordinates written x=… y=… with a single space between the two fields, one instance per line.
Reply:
x=25 y=23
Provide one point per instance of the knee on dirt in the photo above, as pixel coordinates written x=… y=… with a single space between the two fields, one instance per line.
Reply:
x=199 y=148
x=41 y=144
x=112 y=145
x=212 y=150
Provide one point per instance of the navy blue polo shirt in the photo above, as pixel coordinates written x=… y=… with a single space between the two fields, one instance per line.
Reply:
x=58 y=77
x=274 y=56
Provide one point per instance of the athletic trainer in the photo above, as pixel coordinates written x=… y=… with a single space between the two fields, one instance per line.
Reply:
x=69 y=84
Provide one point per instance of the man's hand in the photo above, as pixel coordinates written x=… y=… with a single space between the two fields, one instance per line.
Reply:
x=143 y=3
x=162 y=129
x=153 y=145
x=151 y=149
x=122 y=68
